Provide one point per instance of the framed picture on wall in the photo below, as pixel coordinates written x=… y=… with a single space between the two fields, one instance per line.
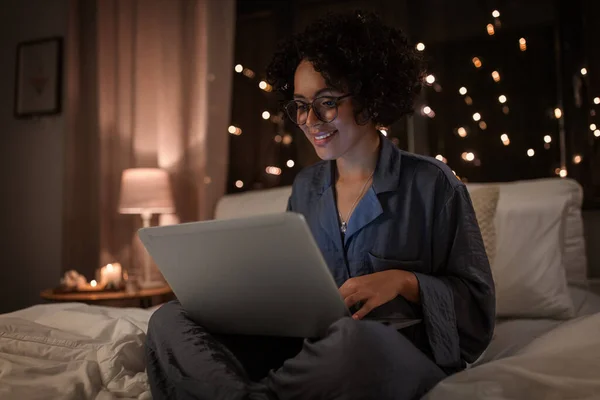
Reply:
x=38 y=83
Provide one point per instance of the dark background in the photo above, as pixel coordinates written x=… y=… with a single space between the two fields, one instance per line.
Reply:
x=562 y=37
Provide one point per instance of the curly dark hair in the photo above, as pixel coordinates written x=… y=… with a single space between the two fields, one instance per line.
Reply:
x=355 y=53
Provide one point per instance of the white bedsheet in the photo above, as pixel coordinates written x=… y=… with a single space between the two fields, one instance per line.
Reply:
x=563 y=363
x=511 y=335
x=73 y=351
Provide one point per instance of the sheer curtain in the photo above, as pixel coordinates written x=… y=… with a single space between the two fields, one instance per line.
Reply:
x=152 y=90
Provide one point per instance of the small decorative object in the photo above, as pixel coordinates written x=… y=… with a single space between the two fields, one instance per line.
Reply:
x=72 y=281
x=38 y=83
x=108 y=278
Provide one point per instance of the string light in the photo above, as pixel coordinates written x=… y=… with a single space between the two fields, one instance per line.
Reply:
x=547 y=138
x=239 y=68
x=476 y=117
x=239 y=184
x=596 y=100
x=430 y=79
x=234 y=130
x=287 y=140
x=248 y=73
x=563 y=173
x=490 y=29
x=482 y=125
x=93 y=282
x=502 y=99
x=290 y=163
x=505 y=110
x=597 y=133
x=577 y=159
x=584 y=71
x=530 y=152
x=273 y=171
x=505 y=140
x=592 y=127
x=420 y=46
x=266 y=115
x=462 y=90
x=496 y=76
x=468 y=156
x=557 y=113
x=462 y=132
x=428 y=111
x=522 y=44
x=441 y=158
x=496 y=14
x=477 y=62
x=383 y=131
x=278 y=138
x=265 y=86
x=468 y=100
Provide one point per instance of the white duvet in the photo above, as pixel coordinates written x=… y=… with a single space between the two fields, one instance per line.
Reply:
x=564 y=363
x=73 y=351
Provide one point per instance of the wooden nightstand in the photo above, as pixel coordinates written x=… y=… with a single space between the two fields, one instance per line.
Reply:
x=138 y=298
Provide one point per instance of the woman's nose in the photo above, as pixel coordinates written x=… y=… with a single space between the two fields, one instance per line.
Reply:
x=311 y=118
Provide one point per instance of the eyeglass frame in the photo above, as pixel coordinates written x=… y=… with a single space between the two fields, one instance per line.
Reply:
x=310 y=106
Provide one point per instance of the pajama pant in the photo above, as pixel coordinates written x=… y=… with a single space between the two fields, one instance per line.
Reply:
x=354 y=360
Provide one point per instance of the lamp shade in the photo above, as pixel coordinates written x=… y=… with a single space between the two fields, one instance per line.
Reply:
x=145 y=191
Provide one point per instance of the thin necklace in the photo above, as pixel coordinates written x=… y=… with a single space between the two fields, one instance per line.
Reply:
x=344 y=223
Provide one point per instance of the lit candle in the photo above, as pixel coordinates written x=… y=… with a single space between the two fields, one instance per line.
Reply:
x=111 y=274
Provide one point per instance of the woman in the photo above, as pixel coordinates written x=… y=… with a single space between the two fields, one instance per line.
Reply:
x=397 y=230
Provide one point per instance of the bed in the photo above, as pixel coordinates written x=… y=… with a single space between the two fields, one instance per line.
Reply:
x=546 y=342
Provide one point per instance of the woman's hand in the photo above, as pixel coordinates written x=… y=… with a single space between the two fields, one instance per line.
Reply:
x=379 y=288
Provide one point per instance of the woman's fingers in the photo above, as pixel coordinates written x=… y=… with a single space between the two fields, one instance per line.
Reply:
x=349 y=287
x=355 y=298
x=365 y=309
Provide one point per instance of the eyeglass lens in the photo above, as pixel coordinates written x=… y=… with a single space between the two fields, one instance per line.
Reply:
x=325 y=109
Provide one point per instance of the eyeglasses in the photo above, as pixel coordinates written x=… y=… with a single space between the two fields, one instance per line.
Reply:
x=325 y=108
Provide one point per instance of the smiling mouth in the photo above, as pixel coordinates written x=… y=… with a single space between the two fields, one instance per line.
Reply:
x=325 y=135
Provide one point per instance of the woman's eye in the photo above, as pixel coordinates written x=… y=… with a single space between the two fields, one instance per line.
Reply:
x=329 y=103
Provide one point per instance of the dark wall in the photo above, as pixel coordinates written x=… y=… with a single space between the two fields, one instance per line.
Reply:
x=31 y=165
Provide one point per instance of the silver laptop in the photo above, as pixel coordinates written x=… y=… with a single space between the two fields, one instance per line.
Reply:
x=262 y=275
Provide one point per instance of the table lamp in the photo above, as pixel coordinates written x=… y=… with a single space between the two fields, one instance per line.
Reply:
x=146 y=191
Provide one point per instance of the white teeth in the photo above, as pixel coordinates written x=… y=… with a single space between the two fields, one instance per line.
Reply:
x=325 y=136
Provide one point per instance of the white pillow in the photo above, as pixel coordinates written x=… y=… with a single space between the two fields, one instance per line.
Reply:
x=573 y=241
x=528 y=268
x=255 y=202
